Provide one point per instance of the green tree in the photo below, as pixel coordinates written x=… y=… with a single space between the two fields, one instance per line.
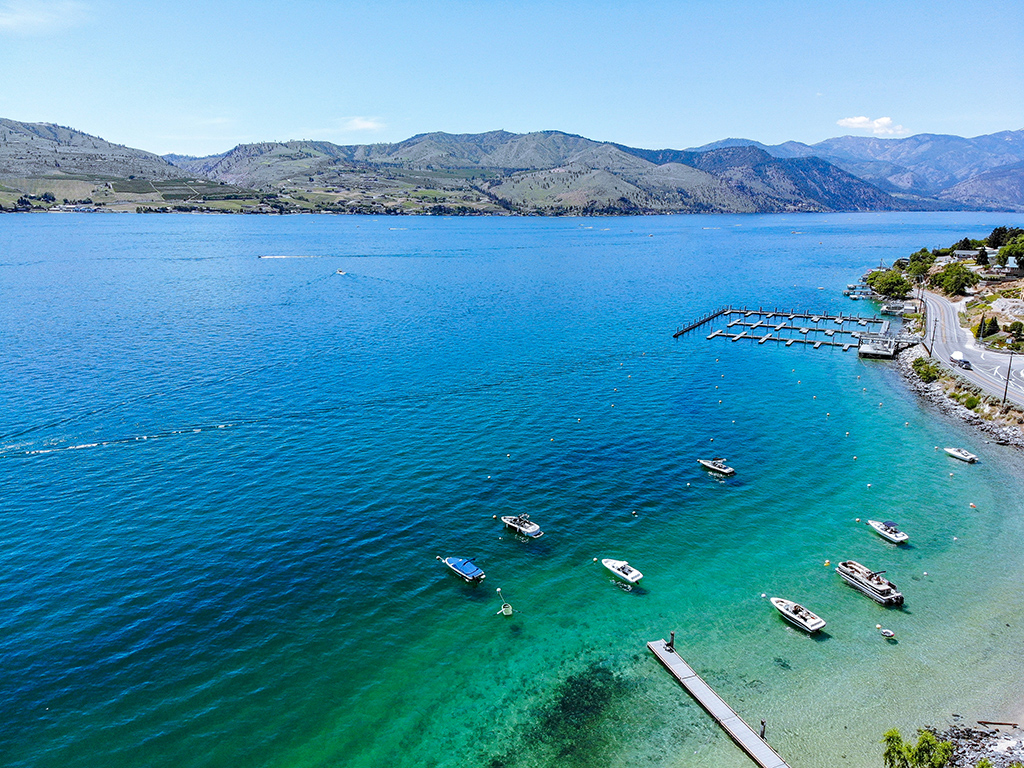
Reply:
x=997 y=238
x=1015 y=249
x=929 y=752
x=920 y=262
x=981 y=258
x=962 y=245
x=895 y=753
x=953 y=279
x=1016 y=329
x=979 y=332
x=889 y=283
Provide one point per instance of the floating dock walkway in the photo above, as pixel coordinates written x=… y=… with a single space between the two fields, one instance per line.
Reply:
x=701 y=320
x=758 y=749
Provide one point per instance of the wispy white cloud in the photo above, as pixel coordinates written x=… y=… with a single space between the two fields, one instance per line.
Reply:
x=882 y=126
x=362 y=124
x=33 y=17
x=342 y=128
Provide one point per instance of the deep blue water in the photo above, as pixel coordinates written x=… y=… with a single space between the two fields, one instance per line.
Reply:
x=226 y=479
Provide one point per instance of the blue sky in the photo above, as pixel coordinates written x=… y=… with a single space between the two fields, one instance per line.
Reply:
x=201 y=77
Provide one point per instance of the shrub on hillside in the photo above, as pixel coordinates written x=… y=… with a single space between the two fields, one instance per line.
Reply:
x=926 y=369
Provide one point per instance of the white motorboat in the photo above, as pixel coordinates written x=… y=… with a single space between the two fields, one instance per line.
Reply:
x=717 y=465
x=870 y=582
x=797 y=615
x=960 y=453
x=888 y=530
x=622 y=570
x=522 y=524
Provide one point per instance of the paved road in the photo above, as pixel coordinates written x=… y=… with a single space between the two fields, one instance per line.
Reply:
x=944 y=336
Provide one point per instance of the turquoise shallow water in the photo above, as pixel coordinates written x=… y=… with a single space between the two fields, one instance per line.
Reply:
x=226 y=479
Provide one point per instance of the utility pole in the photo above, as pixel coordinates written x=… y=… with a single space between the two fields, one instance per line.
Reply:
x=1008 y=367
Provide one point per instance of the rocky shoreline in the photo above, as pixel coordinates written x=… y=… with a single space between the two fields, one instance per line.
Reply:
x=1003 y=747
x=935 y=393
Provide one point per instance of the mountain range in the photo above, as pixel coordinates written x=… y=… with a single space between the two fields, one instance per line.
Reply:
x=546 y=172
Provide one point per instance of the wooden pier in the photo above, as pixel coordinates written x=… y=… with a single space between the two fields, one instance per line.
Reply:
x=758 y=749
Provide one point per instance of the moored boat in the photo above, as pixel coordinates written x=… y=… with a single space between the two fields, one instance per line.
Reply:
x=464 y=568
x=797 y=615
x=889 y=530
x=717 y=465
x=522 y=524
x=622 y=570
x=869 y=582
x=960 y=453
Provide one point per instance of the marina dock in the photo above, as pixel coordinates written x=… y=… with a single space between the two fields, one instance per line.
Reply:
x=869 y=335
x=756 y=747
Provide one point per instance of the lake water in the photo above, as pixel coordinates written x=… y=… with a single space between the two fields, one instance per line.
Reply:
x=226 y=479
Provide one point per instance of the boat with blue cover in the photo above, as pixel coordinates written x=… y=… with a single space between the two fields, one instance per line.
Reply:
x=464 y=568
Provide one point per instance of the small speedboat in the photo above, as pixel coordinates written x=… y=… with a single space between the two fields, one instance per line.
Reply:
x=522 y=524
x=464 y=568
x=870 y=582
x=622 y=570
x=717 y=465
x=960 y=453
x=797 y=615
x=888 y=530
